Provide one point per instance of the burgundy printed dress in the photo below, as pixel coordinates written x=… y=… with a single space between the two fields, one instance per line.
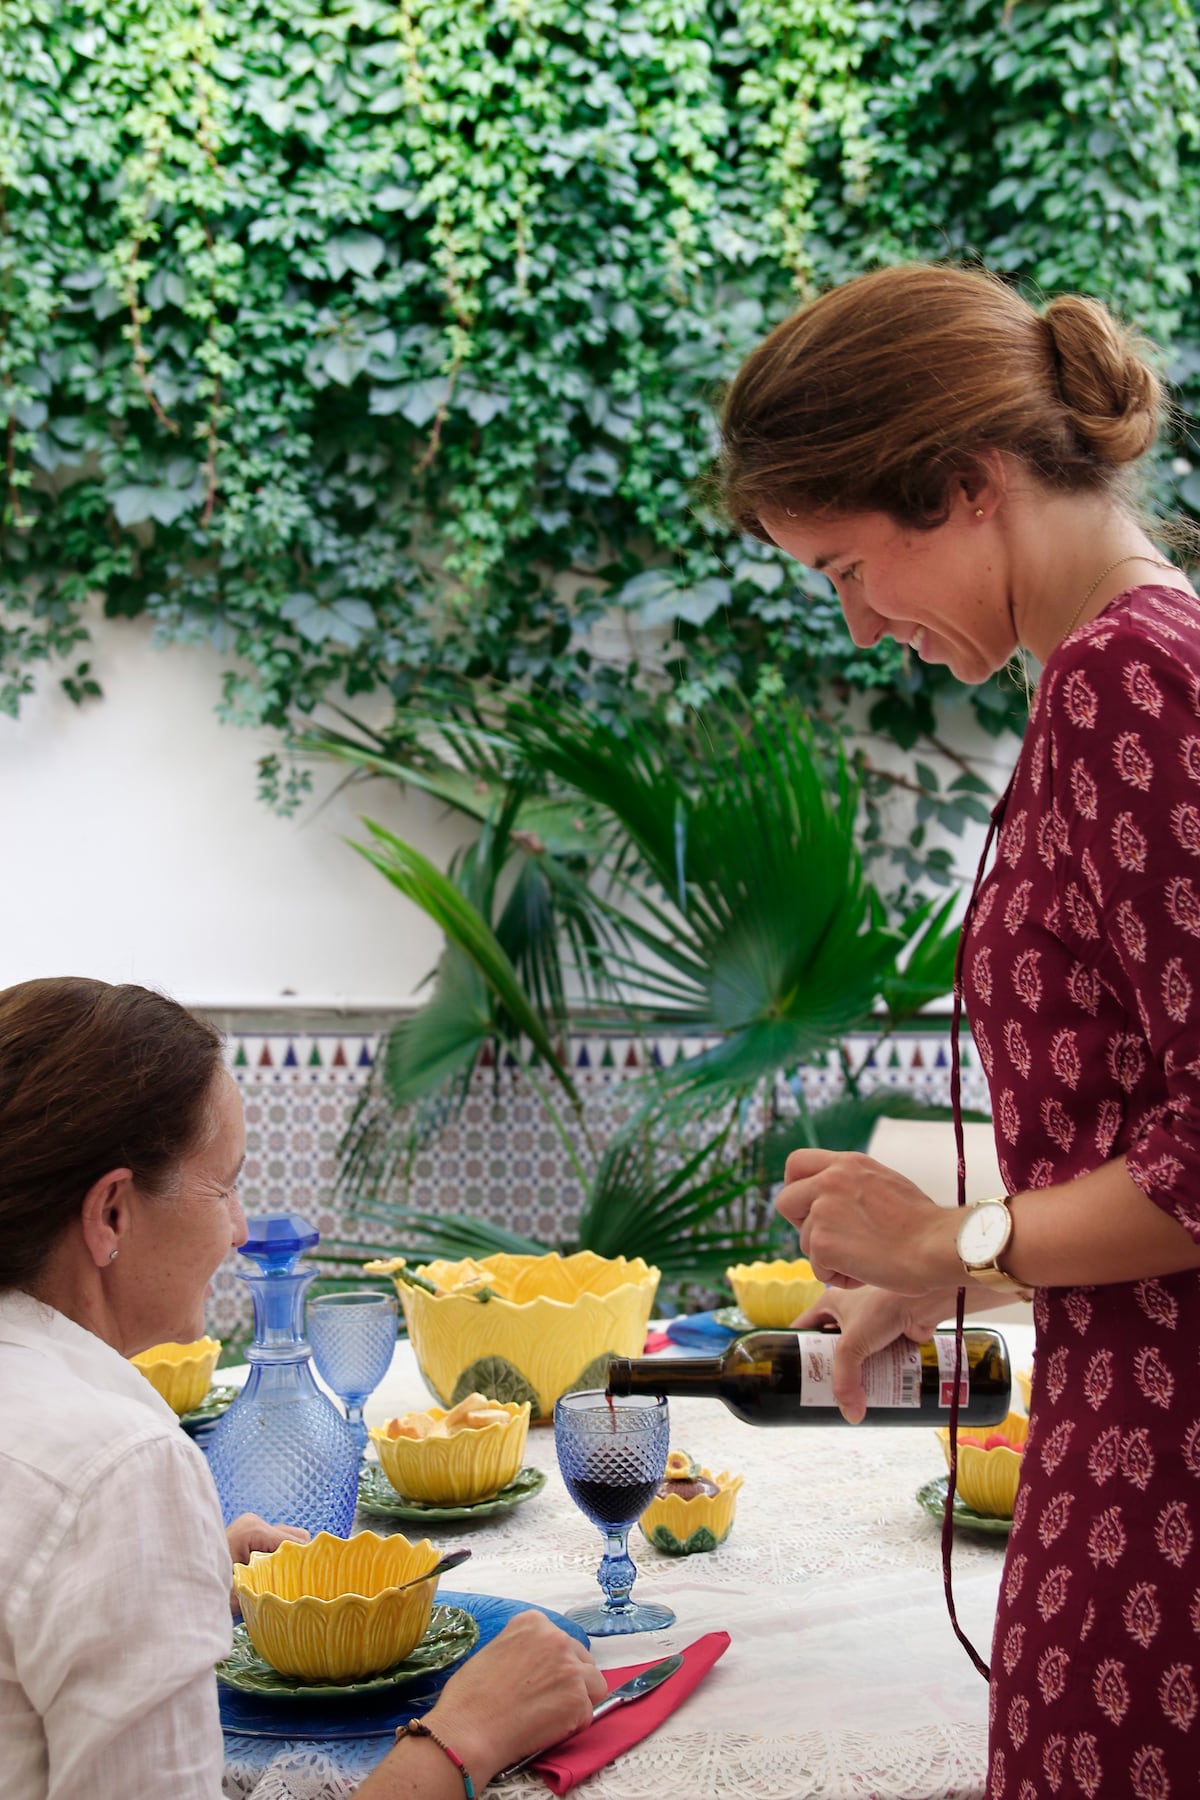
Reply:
x=1082 y=984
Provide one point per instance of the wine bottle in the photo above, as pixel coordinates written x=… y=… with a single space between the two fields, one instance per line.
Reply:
x=786 y=1378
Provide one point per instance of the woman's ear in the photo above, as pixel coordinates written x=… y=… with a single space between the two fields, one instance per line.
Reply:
x=980 y=487
x=106 y=1215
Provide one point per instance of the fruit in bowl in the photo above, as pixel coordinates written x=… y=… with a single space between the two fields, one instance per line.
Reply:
x=522 y=1327
x=692 y=1510
x=181 y=1373
x=456 y=1456
x=989 y=1464
x=332 y=1609
x=772 y=1294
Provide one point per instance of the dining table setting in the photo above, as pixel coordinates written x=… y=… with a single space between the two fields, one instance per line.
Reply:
x=766 y=1606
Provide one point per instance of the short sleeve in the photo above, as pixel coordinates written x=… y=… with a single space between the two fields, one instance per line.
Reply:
x=1122 y=836
x=117 y=1639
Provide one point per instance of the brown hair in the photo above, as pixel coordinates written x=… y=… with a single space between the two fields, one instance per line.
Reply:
x=877 y=395
x=92 y=1078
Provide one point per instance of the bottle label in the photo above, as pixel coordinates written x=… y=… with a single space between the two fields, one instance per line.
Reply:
x=945 y=1356
x=891 y=1377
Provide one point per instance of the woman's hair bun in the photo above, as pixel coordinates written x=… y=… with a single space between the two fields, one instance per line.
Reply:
x=1109 y=389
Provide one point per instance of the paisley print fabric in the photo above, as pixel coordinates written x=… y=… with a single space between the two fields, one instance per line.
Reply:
x=1082 y=985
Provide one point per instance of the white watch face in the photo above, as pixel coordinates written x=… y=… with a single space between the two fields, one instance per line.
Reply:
x=984 y=1233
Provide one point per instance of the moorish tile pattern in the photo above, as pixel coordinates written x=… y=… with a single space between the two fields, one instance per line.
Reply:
x=500 y=1158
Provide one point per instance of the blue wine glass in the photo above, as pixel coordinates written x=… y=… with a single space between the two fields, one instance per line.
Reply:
x=352 y=1337
x=612 y=1453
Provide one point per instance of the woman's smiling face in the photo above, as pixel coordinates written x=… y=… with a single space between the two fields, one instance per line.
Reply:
x=938 y=591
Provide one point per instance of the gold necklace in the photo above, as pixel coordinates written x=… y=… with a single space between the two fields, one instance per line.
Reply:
x=1135 y=556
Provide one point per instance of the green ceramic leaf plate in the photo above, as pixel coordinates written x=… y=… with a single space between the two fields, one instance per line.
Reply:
x=733 y=1318
x=376 y=1494
x=933 y=1498
x=452 y=1634
x=212 y=1406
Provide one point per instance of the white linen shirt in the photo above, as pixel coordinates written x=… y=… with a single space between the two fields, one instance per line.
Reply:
x=114 y=1576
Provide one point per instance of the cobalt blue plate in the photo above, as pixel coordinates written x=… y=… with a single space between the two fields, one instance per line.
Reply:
x=375 y=1715
x=708 y=1331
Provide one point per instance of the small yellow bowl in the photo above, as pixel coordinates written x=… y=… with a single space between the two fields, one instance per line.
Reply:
x=1025 y=1382
x=471 y=1464
x=682 y=1527
x=552 y=1325
x=329 y=1610
x=181 y=1373
x=772 y=1294
x=987 y=1479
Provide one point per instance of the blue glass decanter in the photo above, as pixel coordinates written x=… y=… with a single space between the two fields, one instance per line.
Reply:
x=282 y=1449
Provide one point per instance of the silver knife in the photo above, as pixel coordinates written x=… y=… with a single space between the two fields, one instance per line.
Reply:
x=644 y=1682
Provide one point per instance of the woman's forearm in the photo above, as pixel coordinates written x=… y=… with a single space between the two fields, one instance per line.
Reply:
x=1093 y=1231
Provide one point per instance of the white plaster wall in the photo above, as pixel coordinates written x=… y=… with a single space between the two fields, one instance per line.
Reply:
x=135 y=849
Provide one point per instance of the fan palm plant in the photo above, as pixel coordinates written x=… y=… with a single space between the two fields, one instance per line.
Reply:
x=713 y=883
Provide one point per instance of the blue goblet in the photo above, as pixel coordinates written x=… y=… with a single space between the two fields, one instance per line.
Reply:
x=612 y=1453
x=352 y=1337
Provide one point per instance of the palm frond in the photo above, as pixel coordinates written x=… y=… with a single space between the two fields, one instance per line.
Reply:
x=672 y=1209
x=464 y=925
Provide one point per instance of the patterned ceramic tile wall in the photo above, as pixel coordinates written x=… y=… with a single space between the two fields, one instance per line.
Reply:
x=500 y=1158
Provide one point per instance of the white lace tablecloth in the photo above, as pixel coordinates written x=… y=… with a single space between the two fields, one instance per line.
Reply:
x=843 y=1680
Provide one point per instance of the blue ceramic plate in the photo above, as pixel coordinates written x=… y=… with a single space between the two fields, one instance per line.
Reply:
x=375 y=1715
x=709 y=1331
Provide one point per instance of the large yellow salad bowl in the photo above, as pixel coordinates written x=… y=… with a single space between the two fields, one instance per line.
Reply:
x=549 y=1325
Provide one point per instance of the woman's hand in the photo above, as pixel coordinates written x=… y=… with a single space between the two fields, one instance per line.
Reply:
x=248 y=1532
x=869 y=1320
x=529 y=1687
x=861 y=1224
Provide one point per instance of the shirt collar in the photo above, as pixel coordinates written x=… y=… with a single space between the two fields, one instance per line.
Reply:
x=33 y=1324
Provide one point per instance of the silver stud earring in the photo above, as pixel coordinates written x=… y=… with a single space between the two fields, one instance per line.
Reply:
x=111 y=1255
x=979 y=512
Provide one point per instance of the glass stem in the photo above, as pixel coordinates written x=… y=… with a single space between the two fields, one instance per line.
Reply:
x=617 y=1571
x=354 y=1418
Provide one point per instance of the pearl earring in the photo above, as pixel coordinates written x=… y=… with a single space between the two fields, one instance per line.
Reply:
x=979 y=512
x=111 y=1255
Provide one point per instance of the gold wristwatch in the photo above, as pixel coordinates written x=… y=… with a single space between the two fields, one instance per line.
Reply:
x=983 y=1237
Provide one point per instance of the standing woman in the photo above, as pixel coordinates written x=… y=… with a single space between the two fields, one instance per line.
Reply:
x=956 y=463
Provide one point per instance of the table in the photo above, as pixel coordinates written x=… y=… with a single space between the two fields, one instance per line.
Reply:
x=843 y=1680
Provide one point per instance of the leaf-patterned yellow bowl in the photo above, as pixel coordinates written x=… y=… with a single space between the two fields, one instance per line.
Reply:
x=472 y=1464
x=772 y=1294
x=988 y=1468
x=329 y=1610
x=181 y=1373
x=684 y=1527
x=551 y=1327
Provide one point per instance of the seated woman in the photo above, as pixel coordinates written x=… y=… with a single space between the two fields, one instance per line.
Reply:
x=121 y=1140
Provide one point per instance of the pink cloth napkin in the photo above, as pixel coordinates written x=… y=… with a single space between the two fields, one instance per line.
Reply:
x=655 y=1341
x=590 y=1749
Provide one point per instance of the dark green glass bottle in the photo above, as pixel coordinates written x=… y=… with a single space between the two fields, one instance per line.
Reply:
x=783 y=1378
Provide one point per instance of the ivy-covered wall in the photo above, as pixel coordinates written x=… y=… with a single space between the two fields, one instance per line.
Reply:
x=376 y=343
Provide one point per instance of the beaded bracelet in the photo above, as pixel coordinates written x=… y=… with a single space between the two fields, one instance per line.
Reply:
x=418 y=1728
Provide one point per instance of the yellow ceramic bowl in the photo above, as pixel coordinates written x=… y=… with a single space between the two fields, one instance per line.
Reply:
x=329 y=1610
x=181 y=1373
x=471 y=1464
x=552 y=1326
x=682 y=1527
x=771 y=1294
x=987 y=1479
